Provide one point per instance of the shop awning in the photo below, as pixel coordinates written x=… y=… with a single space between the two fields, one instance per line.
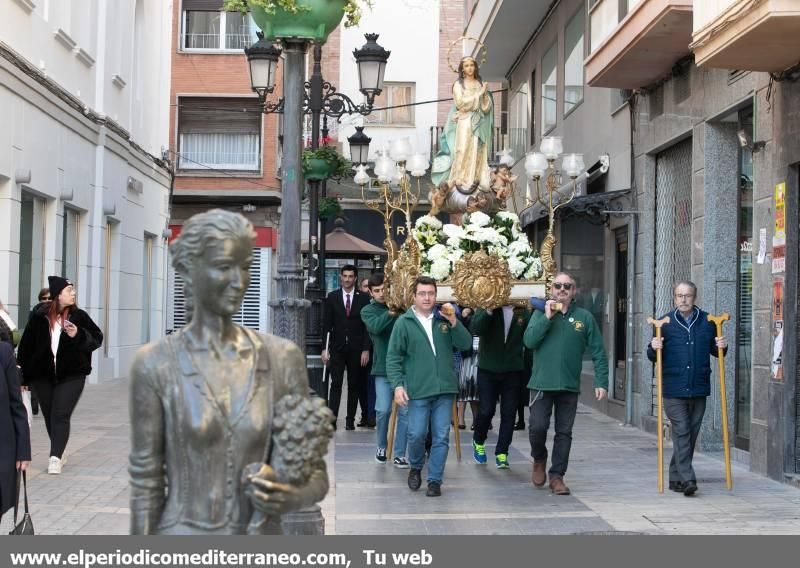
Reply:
x=594 y=204
x=340 y=241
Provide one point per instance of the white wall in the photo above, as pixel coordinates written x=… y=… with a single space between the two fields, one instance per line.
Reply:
x=706 y=11
x=411 y=33
x=74 y=160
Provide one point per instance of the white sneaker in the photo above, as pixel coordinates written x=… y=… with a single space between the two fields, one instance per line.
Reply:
x=54 y=467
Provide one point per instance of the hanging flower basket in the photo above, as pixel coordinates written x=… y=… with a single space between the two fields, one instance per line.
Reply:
x=318 y=168
x=311 y=19
x=329 y=208
x=323 y=163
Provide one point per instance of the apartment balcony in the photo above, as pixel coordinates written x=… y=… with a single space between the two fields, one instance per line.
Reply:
x=746 y=35
x=640 y=48
x=504 y=26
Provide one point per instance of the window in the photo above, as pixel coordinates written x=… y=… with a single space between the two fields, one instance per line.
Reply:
x=147 y=285
x=394 y=95
x=215 y=30
x=69 y=244
x=533 y=108
x=219 y=134
x=549 y=88
x=519 y=122
x=573 y=62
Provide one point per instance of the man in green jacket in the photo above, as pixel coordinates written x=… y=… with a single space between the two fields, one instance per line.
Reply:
x=500 y=365
x=419 y=365
x=380 y=322
x=558 y=340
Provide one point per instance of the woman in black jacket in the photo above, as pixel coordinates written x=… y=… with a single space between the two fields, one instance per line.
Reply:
x=15 y=450
x=56 y=355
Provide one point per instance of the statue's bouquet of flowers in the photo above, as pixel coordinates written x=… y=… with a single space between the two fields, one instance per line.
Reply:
x=442 y=246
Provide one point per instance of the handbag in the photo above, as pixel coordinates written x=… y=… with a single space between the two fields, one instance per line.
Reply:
x=25 y=526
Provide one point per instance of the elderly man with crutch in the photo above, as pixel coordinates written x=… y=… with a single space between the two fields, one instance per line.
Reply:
x=687 y=342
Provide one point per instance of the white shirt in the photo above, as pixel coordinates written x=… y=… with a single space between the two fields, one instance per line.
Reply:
x=427 y=325
x=352 y=294
x=55 y=338
x=508 y=319
x=7 y=318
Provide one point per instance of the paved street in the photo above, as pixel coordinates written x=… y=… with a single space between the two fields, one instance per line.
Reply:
x=612 y=477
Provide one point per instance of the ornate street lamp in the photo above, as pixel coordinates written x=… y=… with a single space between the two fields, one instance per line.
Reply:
x=371 y=60
x=262 y=57
x=359 y=146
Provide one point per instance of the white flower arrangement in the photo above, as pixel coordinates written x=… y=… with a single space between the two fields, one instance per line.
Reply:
x=442 y=246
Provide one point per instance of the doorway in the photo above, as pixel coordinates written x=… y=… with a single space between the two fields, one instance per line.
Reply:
x=31 y=254
x=620 y=311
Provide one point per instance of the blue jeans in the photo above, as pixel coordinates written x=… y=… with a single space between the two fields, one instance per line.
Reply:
x=436 y=411
x=384 y=394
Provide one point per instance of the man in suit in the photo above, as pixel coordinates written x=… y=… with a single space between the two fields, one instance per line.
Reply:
x=349 y=343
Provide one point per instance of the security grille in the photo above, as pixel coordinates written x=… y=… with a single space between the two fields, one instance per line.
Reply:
x=673 y=225
x=255 y=311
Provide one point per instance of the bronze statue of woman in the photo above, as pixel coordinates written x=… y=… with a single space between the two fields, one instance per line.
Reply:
x=203 y=404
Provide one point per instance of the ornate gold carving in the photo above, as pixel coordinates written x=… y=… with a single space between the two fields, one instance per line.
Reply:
x=482 y=281
x=548 y=262
x=400 y=277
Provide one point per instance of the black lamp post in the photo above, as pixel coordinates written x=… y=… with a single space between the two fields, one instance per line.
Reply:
x=320 y=99
x=359 y=146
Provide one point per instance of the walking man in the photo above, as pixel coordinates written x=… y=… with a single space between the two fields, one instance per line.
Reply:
x=419 y=364
x=380 y=322
x=349 y=343
x=687 y=341
x=559 y=339
x=500 y=371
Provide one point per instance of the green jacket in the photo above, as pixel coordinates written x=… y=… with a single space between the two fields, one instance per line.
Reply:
x=379 y=324
x=411 y=363
x=559 y=344
x=498 y=353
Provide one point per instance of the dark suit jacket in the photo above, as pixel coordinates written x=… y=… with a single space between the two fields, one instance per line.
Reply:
x=14 y=431
x=347 y=333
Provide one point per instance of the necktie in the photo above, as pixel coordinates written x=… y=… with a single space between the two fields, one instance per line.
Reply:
x=347 y=306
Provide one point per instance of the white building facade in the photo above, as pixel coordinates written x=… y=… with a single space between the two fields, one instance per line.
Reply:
x=84 y=192
x=410 y=29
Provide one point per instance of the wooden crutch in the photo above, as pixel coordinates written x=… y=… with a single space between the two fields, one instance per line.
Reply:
x=657 y=324
x=723 y=399
x=456 y=431
x=392 y=426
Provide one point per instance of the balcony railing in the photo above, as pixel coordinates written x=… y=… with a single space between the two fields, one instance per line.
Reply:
x=213 y=41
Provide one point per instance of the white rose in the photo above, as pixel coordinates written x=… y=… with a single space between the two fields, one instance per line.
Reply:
x=437 y=251
x=453 y=231
x=505 y=215
x=479 y=219
x=516 y=266
x=440 y=269
x=454 y=255
x=428 y=220
x=454 y=243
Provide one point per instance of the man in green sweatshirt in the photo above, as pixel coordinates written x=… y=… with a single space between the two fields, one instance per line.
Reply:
x=419 y=365
x=380 y=322
x=500 y=365
x=559 y=340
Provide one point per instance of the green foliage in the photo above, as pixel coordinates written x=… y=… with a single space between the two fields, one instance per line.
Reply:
x=329 y=208
x=339 y=165
x=352 y=8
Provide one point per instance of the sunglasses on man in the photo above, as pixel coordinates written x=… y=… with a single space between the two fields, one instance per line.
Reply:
x=565 y=285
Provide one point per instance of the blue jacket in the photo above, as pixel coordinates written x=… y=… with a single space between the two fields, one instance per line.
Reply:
x=685 y=356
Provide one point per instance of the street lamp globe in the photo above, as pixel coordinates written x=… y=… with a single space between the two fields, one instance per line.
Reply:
x=262 y=57
x=359 y=146
x=371 y=60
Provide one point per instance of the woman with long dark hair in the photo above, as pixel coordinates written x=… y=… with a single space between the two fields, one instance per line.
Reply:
x=15 y=451
x=56 y=355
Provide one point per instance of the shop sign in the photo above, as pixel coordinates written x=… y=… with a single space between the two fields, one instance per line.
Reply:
x=776 y=363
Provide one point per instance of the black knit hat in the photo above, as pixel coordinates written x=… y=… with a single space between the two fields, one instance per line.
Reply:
x=57 y=284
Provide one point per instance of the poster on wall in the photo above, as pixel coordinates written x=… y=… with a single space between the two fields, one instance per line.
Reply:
x=776 y=363
x=779 y=236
